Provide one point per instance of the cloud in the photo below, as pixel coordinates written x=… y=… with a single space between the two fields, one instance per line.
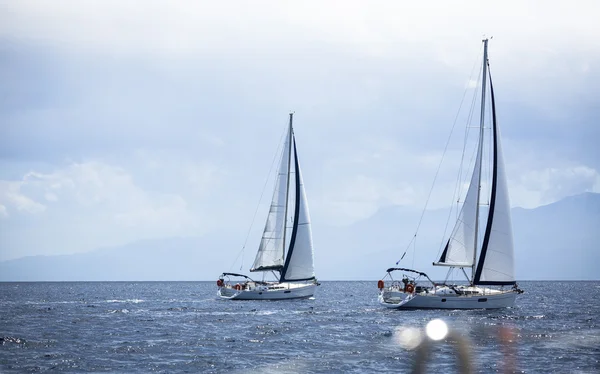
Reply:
x=50 y=196
x=182 y=106
x=184 y=25
x=358 y=197
x=548 y=185
x=11 y=195
x=119 y=75
x=93 y=204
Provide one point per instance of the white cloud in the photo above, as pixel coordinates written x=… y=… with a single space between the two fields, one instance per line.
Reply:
x=172 y=212
x=50 y=196
x=377 y=172
x=360 y=196
x=384 y=171
x=183 y=27
x=93 y=204
x=201 y=85
x=545 y=186
x=11 y=194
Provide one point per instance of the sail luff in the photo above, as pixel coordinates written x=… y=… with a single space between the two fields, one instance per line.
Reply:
x=480 y=155
x=296 y=213
x=287 y=186
x=488 y=229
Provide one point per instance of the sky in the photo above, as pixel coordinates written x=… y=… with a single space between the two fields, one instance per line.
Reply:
x=122 y=120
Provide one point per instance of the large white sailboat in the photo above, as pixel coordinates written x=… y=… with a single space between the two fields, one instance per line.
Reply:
x=286 y=247
x=491 y=283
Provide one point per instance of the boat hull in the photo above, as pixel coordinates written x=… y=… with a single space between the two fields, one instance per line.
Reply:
x=283 y=291
x=401 y=300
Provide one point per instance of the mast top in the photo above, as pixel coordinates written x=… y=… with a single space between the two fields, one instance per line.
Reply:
x=291 y=120
x=485 y=41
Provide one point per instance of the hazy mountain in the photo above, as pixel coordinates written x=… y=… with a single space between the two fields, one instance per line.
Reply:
x=146 y=260
x=556 y=241
x=560 y=240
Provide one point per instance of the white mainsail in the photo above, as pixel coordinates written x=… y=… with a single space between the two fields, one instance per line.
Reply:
x=496 y=262
x=299 y=260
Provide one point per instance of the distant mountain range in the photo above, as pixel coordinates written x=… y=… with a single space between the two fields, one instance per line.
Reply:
x=559 y=241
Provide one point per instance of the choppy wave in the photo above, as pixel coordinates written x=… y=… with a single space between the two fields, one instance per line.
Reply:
x=132 y=301
x=125 y=327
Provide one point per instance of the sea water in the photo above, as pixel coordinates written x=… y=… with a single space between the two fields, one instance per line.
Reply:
x=181 y=327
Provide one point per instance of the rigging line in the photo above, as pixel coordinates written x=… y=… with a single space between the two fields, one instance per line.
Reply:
x=464 y=273
x=241 y=253
x=412 y=265
x=468 y=127
x=459 y=180
x=441 y=161
x=448 y=275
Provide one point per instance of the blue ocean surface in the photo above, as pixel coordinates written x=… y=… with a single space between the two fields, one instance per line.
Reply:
x=181 y=327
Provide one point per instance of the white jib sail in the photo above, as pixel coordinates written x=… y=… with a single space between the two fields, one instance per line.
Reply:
x=271 y=250
x=461 y=243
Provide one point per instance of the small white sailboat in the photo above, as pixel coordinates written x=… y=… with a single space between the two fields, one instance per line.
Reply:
x=286 y=247
x=492 y=281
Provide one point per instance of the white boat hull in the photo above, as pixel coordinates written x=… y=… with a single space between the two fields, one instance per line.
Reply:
x=402 y=300
x=279 y=291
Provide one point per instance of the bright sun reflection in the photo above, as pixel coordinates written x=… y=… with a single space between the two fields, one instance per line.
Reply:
x=436 y=329
x=409 y=337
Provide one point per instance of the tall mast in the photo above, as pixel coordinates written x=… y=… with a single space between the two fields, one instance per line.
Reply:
x=287 y=185
x=480 y=155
